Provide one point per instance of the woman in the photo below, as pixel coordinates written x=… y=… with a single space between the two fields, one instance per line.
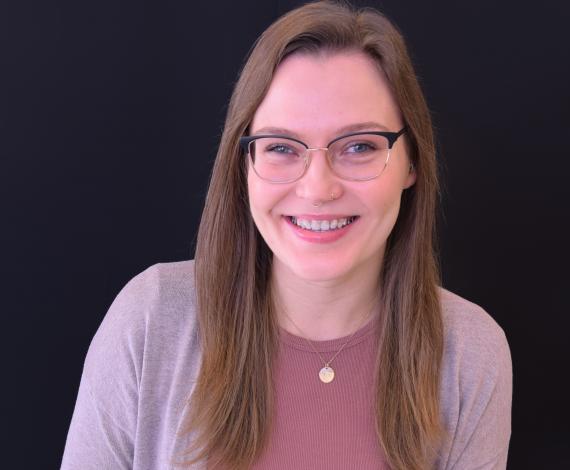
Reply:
x=310 y=332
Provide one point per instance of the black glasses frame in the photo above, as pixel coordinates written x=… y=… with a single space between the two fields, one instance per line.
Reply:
x=392 y=137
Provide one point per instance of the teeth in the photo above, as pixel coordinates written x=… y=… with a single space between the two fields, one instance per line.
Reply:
x=322 y=225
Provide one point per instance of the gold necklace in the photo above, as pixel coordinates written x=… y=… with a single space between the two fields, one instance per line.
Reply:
x=326 y=374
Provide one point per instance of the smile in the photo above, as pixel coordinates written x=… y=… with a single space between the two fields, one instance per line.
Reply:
x=322 y=225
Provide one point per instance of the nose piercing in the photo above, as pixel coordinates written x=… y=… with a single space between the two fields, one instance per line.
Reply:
x=320 y=203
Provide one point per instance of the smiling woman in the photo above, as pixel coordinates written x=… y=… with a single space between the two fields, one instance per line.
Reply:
x=311 y=331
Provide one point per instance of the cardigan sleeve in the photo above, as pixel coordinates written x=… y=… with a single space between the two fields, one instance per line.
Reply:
x=477 y=390
x=96 y=439
x=104 y=423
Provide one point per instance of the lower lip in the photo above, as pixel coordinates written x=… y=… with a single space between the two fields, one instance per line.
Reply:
x=320 y=237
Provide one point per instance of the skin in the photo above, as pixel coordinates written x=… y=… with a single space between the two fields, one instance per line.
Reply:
x=328 y=289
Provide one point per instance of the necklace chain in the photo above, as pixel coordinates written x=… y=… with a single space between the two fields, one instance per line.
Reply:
x=326 y=374
x=310 y=343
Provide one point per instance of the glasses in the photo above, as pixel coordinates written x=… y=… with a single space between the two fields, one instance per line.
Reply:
x=359 y=156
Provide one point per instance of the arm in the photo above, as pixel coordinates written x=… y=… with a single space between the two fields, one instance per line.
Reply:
x=476 y=390
x=103 y=427
x=96 y=439
x=484 y=426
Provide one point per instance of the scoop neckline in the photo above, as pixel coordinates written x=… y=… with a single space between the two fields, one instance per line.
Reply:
x=329 y=345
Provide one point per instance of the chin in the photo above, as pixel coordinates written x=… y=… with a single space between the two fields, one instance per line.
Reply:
x=318 y=275
x=316 y=268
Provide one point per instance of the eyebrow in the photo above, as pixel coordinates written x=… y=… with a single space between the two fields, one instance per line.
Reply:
x=356 y=127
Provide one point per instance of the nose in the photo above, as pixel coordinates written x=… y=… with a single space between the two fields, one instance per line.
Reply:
x=319 y=183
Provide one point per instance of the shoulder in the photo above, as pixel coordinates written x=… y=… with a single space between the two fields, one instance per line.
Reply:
x=471 y=332
x=154 y=314
x=159 y=290
x=161 y=285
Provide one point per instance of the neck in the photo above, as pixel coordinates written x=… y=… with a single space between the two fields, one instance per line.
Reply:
x=323 y=310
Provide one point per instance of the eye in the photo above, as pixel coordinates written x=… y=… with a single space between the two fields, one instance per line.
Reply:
x=279 y=148
x=359 y=147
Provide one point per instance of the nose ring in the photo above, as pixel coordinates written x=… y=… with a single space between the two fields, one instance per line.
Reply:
x=320 y=203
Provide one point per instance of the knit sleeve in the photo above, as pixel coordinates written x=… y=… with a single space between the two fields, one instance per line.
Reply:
x=104 y=423
x=476 y=390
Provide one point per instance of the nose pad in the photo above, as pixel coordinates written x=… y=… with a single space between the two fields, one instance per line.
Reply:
x=319 y=183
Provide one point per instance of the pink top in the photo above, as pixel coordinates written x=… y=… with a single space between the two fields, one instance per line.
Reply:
x=319 y=425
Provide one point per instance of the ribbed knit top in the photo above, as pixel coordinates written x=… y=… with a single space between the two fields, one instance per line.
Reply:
x=324 y=425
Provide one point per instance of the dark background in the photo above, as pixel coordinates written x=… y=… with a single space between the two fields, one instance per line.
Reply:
x=110 y=114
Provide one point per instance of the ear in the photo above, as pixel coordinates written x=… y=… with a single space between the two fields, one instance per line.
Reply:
x=410 y=177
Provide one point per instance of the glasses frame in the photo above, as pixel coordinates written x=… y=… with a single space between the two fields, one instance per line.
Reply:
x=392 y=137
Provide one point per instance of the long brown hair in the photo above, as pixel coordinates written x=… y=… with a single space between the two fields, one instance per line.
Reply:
x=231 y=405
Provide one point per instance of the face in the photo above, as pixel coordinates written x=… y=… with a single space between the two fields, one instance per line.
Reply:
x=316 y=98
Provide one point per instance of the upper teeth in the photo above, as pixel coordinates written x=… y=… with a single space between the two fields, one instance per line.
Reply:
x=322 y=225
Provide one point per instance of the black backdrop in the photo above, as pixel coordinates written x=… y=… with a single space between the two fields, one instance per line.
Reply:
x=110 y=113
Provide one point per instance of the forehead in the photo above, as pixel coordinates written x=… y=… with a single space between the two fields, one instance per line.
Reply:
x=314 y=95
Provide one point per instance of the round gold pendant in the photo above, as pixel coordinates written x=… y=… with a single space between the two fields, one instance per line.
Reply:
x=326 y=374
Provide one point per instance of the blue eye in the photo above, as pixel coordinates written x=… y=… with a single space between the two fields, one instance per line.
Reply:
x=359 y=147
x=279 y=148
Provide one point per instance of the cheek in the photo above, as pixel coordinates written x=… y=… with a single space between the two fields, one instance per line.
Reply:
x=251 y=189
x=384 y=195
x=263 y=196
x=384 y=206
x=256 y=192
x=255 y=199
